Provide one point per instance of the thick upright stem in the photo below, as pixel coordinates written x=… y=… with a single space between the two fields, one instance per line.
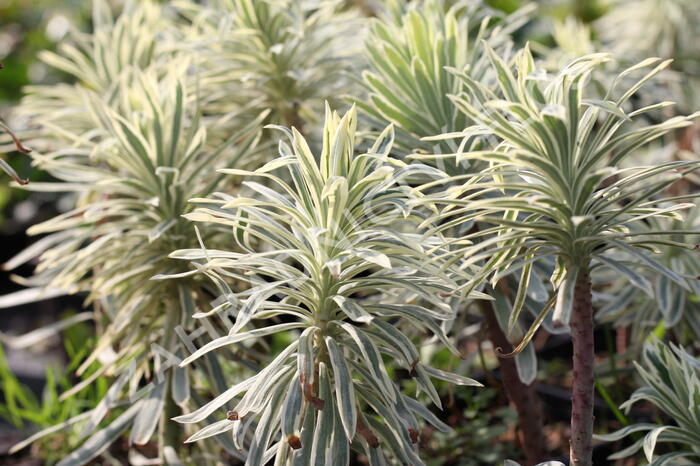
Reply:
x=522 y=396
x=581 y=452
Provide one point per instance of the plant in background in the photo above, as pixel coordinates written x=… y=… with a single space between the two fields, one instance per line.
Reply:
x=21 y=406
x=571 y=38
x=135 y=39
x=133 y=178
x=283 y=55
x=333 y=256
x=657 y=27
x=672 y=384
x=409 y=59
x=556 y=187
x=410 y=56
x=130 y=143
x=670 y=308
x=663 y=28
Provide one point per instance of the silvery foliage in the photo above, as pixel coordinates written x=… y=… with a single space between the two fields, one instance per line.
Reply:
x=670 y=306
x=667 y=34
x=659 y=27
x=129 y=143
x=672 y=383
x=635 y=29
x=411 y=50
x=556 y=186
x=546 y=463
x=285 y=55
x=572 y=38
x=329 y=250
x=415 y=53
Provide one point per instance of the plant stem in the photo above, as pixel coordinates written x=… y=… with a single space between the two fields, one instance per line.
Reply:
x=522 y=396
x=611 y=404
x=581 y=451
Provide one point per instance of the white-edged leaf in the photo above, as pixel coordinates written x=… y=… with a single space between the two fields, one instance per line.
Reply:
x=253 y=302
x=203 y=412
x=653 y=264
x=451 y=377
x=149 y=414
x=565 y=299
x=353 y=310
x=30 y=295
x=526 y=364
x=374 y=257
x=212 y=429
x=239 y=337
x=100 y=440
x=650 y=442
x=291 y=408
x=372 y=357
x=344 y=388
x=43 y=333
x=634 y=277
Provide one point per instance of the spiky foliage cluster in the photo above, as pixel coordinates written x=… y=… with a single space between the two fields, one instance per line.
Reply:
x=653 y=27
x=284 y=55
x=278 y=330
x=557 y=189
x=671 y=306
x=415 y=58
x=342 y=269
x=415 y=53
x=671 y=383
x=572 y=38
x=565 y=189
x=133 y=152
x=133 y=40
x=634 y=30
x=410 y=57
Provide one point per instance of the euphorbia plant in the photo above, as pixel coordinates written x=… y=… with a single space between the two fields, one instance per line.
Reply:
x=556 y=189
x=671 y=378
x=345 y=267
x=130 y=143
x=133 y=177
x=410 y=56
x=284 y=55
x=672 y=309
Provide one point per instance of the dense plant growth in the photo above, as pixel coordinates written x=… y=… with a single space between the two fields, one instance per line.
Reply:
x=303 y=228
x=671 y=382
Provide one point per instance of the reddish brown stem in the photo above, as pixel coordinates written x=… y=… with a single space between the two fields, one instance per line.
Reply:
x=581 y=451
x=524 y=397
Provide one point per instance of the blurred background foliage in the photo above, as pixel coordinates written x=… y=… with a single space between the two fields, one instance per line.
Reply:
x=29 y=26
x=26 y=28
